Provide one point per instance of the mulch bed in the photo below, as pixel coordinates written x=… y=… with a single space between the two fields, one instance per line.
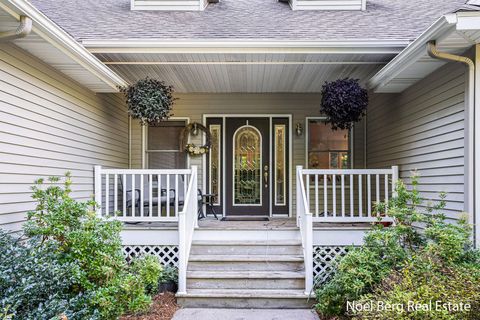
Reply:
x=163 y=307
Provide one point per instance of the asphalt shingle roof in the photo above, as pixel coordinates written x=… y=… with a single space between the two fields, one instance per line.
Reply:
x=246 y=19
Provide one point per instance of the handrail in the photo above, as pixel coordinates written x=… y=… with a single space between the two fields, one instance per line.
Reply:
x=187 y=222
x=306 y=230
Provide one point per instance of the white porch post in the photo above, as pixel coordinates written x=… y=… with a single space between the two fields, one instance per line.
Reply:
x=98 y=189
x=182 y=257
x=394 y=180
x=297 y=194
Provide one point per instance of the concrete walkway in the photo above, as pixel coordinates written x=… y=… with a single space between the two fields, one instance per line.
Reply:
x=245 y=314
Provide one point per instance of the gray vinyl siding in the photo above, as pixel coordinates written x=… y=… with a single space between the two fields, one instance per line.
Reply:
x=423 y=128
x=195 y=106
x=50 y=124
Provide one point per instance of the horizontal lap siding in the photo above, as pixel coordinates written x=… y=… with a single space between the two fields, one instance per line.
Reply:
x=49 y=125
x=423 y=129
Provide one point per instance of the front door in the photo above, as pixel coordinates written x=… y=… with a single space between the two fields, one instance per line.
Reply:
x=247 y=166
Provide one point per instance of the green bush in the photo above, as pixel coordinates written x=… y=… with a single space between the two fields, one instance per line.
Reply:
x=169 y=274
x=392 y=253
x=73 y=263
x=149 y=270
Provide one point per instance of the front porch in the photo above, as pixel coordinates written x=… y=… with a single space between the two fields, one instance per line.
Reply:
x=218 y=260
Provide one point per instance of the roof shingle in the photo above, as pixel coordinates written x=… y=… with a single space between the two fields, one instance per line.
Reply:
x=246 y=19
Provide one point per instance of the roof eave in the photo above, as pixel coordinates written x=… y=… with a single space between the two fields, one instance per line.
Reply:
x=52 y=33
x=411 y=53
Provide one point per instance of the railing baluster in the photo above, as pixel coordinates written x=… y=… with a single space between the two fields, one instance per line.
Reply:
x=369 y=195
x=107 y=194
x=142 y=190
x=351 y=195
x=307 y=190
x=325 y=196
x=316 y=195
x=159 y=196
x=377 y=191
x=115 y=194
x=386 y=188
x=124 y=198
x=334 y=193
x=360 y=196
x=167 y=205
x=343 y=195
x=177 y=193
x=133 y=195
x=150 y=195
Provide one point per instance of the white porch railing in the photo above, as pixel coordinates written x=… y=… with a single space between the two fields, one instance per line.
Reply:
x=338 y=196
x=347 y=195
x=134 y=195
x=304 y=222
x=141 y=194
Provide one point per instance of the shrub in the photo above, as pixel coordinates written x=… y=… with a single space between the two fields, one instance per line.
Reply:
x=77 y=260
x=169 y=274
x=149 y=270
x=387 y=252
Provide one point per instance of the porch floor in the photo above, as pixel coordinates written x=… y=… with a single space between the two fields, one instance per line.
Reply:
x=272 y=224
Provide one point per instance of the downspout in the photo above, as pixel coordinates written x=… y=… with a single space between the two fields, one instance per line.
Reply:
x=22 y=31
x=470 y=136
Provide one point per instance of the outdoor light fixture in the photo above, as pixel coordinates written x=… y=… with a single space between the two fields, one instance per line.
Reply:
x=299 y=129
x=195 y=130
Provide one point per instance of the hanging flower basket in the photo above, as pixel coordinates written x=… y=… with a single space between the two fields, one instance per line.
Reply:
x=191 y=148
x=344 y=102
x=149 y=100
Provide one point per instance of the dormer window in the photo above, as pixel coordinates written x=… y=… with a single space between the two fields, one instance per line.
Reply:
x=333 y=5
x=169 y=5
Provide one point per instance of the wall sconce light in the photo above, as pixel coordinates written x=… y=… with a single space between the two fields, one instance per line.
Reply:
x=299 y=129
x=195 y=130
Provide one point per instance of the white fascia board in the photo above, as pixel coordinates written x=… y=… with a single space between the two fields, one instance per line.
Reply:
x=467 y=21
x=413 y=52
x=61 y=40
x=245 y=46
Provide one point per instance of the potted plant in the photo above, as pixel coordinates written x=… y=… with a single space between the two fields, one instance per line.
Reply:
x=344 y=102
x=168 y=281
x=149 y=100
x=380 y=209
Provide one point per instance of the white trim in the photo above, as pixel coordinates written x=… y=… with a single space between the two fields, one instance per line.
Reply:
x=239 y=115
x=240 y=63
x=365 y=46
x=270 y=155
x=413 y=52
x=261 y=167
x=350 y=137
x=61 y=40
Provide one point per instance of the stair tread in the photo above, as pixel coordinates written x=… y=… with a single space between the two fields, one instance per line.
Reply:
x=248 y=243
x=246 y=258
x=244 y=293
x=245 y=274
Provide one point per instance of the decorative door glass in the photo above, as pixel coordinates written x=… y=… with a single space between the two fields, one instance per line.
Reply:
x=214 y=155
x=247 y=166
x=280 y=167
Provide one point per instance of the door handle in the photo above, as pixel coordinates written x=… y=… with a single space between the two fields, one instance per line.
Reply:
x=265 y=176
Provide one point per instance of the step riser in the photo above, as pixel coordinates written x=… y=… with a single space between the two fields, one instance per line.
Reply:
x=245 y=284
x=245 y=303
x=247 y=250
x=244 y=266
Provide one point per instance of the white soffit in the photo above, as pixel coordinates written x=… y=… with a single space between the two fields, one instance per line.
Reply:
x=453 y=33
x=245 y=72
x=53 y=46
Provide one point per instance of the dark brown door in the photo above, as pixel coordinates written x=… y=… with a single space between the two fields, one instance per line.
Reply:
x=247 y=166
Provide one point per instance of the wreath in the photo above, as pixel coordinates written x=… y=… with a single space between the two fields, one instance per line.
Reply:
x=344 y=102
x=191 y=148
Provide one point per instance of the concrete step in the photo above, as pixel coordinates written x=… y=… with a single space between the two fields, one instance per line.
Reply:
x=254 y=248
x=244 y=299
x=246 y=258
x=246 y=265
x=245 y=279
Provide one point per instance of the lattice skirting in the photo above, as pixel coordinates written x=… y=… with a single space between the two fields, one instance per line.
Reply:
x=324 y=258
x=168 y=255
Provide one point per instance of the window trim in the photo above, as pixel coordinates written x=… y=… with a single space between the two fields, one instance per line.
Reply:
x=145 y=149
x=351 y=137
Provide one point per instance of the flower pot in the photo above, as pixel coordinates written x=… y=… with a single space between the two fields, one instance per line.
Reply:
x=170 y=286
x=384 y=223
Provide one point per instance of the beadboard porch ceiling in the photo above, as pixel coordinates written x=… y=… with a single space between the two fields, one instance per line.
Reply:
x=245 y=72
